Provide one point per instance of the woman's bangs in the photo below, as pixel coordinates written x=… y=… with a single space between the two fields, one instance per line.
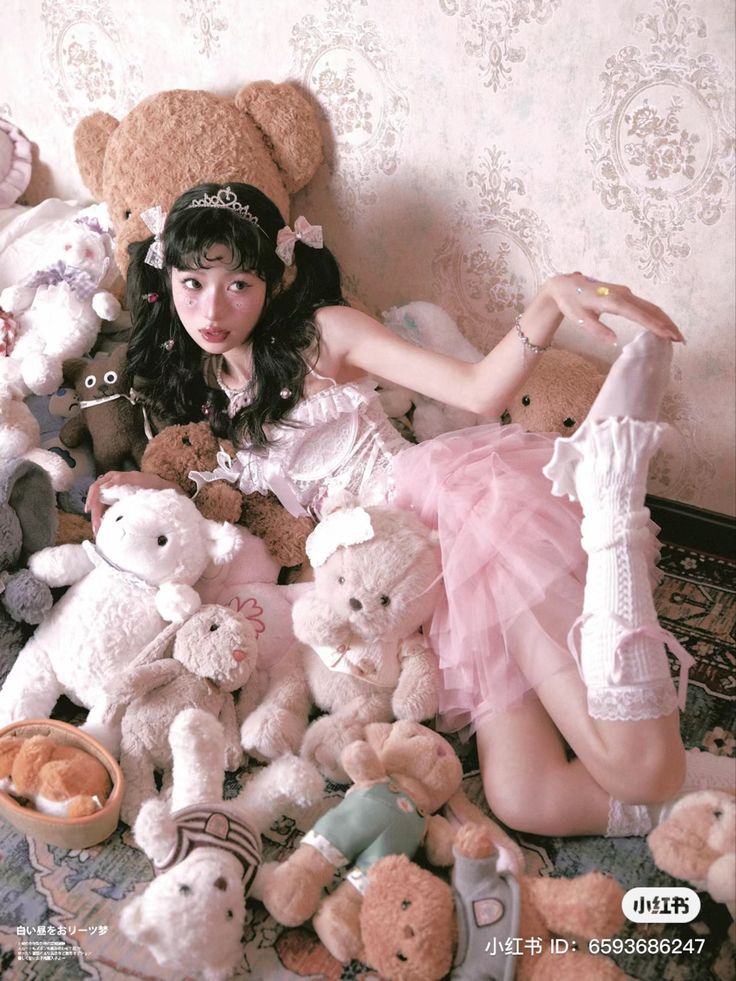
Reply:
x=197 y=233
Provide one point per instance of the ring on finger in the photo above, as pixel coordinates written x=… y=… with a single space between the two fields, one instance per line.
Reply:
x=602 y=291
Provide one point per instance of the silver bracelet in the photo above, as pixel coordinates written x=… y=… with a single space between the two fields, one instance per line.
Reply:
x=534 y=348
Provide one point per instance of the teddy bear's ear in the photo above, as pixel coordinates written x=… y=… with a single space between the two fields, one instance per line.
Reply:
x=224 y=540
x=90 y=143
x=72 y=369
x=288 y=121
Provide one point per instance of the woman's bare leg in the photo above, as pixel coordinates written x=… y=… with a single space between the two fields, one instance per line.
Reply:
x=528 y=781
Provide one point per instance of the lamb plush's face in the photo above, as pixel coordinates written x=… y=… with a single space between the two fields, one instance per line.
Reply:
x=157 y=535
x=191 y=917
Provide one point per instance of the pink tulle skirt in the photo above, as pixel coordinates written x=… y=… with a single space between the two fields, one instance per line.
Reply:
x=513 y=565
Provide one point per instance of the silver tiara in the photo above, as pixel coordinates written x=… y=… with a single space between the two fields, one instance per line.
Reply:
x=225 y=198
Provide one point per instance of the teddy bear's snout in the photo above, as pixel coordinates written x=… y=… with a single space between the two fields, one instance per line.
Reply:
x=355 y=603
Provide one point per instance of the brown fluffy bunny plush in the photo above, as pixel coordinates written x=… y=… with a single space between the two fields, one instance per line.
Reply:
x=59 y=780
x=177 y=450
x=414 y=927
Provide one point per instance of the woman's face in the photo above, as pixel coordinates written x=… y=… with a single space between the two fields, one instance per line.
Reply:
x=218 y=305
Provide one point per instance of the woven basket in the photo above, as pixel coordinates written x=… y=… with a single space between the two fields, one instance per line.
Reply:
x=66 y=832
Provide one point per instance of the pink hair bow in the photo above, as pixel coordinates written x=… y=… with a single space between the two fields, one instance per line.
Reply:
x=286 y=239
x=155 y=218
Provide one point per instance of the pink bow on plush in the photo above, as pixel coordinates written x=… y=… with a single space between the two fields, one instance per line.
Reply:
x=286 y=239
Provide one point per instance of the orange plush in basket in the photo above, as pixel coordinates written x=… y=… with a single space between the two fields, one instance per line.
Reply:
x=63 y=786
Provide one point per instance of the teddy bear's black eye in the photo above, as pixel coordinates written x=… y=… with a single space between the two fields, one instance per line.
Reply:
x=119 y=517
x=184 y=890
x=127 y=214
x=525 y=400
x=229 y=914
x=162 y=539
x=385 y=600
x=213 y=627
x=405 y=903
x=90 y=381
x=568 y=423
x=718 y=813
x=400 y=956
x=341 y=579
x=186 y=441
x=111 y=377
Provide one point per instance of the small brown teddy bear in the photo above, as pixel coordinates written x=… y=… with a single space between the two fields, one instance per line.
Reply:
x=558 y=394
x=267 y=135
x=414 y=927
x=178 y=450
x=106 y=415
x=403 y=773
x=58 y=779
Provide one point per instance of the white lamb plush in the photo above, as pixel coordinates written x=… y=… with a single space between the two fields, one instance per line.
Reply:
x=152 y=546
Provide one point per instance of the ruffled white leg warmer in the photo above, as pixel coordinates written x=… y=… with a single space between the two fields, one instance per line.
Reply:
x=604 y=465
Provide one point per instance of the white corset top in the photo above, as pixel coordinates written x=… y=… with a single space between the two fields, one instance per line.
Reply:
x=341 y=438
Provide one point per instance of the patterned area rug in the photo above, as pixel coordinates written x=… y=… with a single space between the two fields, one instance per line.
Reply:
x=59 y=909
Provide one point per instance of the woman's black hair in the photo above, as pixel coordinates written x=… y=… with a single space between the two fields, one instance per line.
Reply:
x=166 y=365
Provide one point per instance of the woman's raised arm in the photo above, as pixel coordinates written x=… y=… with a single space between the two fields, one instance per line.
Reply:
x=353 y=340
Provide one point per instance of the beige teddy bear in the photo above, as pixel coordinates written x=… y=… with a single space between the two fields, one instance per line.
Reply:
x=376 y=581
x=267 y=135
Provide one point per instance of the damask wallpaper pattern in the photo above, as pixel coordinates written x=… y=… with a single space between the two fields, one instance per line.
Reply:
x=474 y=147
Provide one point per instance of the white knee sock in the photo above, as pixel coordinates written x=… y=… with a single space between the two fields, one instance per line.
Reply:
x=604 y=465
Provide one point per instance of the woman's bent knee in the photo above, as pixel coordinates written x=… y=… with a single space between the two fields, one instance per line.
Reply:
x=654 y=774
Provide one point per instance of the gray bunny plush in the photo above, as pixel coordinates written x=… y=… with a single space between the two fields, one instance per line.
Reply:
x=28 y=521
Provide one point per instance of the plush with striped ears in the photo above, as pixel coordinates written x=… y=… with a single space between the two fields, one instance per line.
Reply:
x=207 y=851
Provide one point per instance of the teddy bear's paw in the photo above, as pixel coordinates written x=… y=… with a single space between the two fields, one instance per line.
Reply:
x=25 y=598
x=291 y=893
x=324 y=742
x=416 y=705
x=105 y=305
x=299 y=782
x=16 y=299
x=268 y=733
x=42 y=374
x=337 y=924
x=154 y=829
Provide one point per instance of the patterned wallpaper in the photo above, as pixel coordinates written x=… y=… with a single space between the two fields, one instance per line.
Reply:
x=474 y=147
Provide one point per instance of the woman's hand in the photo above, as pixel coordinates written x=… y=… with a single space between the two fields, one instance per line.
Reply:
x=119 y=478
x=583 y=300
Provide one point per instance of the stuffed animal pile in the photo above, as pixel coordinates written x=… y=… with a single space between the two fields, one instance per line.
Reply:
x=175 y=636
